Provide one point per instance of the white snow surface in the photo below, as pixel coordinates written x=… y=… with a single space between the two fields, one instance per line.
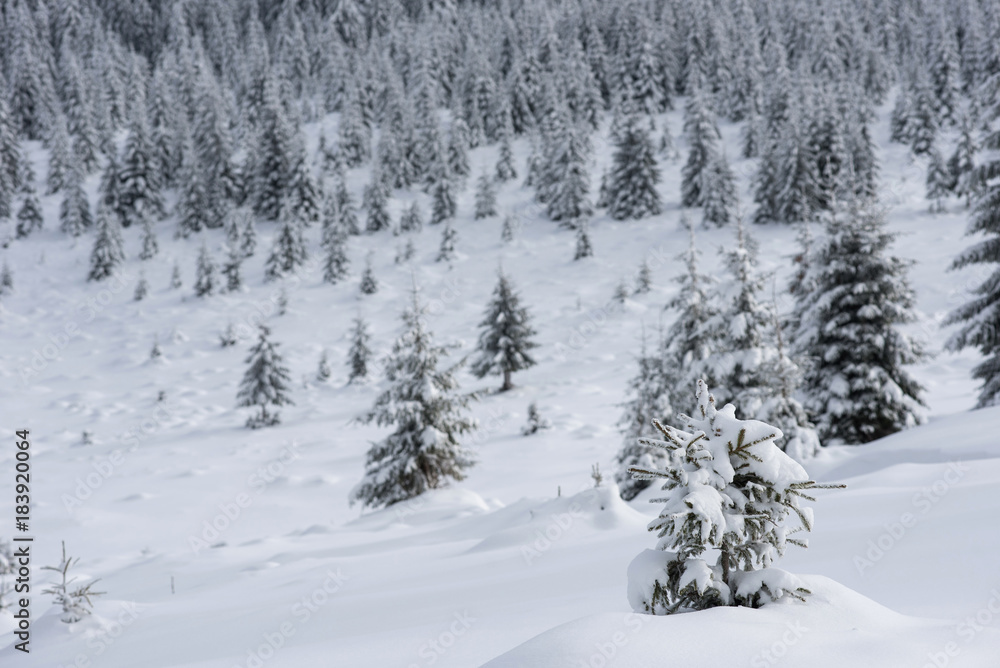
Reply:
x=497 y=568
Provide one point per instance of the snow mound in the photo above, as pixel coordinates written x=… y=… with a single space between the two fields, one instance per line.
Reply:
x=836 y=627
x=436 y=505
x=543 y=523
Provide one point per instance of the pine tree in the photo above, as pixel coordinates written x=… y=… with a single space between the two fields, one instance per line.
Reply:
x=193 y=206
x=368 y=285
x=6 y=280
x=443 y=206
x=175 y=277
x=323 y=370
x=507 y=230
x=486 y=197
x=688 y=343
x=248 y=240
x=109 y=248
x=939 y=181
x=505 y=342
x=536 y=422
x=274 y=159
x=139 y=179
x=74 y=212
x=457 y=152
x=922 y=124
x=799 y=439
x=141 y=290
x=741 y=330
x=61 y=158
x=346 y=213
x=563 y=183
x=703 y=137
x=411 y=220
x=446 y=251
x=376 y=202
x=505 y=169
x=231 y=268
x=150 y=246
x=359 y=355
x=204 y=284
x=429 y=417
x=648 y=400
x=644 y=281
x=29 y=216
x=729 y=493
x=265 y=382
x=289 y=250
x=631 y=185
x=980 y=317
x=719 y=191
x=335 y=260
x=856 y=385
x=962 y=164
x=583 y=247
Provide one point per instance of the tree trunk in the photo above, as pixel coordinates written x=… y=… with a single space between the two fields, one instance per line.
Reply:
x=506 y=381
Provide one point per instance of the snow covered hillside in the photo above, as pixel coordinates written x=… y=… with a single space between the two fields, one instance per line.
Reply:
x=336 y=332
x=253 y=531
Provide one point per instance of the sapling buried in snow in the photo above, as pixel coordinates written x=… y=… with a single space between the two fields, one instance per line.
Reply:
x=730 y=489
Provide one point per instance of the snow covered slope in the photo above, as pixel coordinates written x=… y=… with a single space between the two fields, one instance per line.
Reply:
x=223 y=547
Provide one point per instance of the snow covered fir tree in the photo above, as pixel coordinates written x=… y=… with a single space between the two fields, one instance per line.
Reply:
x=731 y=497
x=505 y=342
x=265 y=383
x=429 y=416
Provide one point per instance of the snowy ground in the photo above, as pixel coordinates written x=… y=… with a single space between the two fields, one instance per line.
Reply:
x=295 y=577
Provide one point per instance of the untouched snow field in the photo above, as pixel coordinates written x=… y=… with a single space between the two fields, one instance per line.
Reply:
x=221 y=547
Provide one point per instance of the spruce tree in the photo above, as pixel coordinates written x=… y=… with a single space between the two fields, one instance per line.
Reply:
x=248 y=240
x=193 y=206
x=719 y=206
x=563 y=183
x=359 y=355
x=150 y=246
x=109 y=247
x=583 y=247
x=856 y=384
x=980 y=316
x=688 y=344
x=141 y=290
x=265 y=382
x=648 y=400
x=729 y=493
x=457 y=151
x=29 y=216
x=231 y=268
x=939 y=181
x=204 y=284
x=346 y=212
x=962 y=163
x=289 y=250
x=74 y=211
x=443 y=198
x=376 y=203
x=486 y=197
x=368 y=285
x=61 y=158
x=536 y=422
x=6 y=280
x=703 y=137
x=422 y=403
x=505 y=342
x=175 y=277
x=631 y=185
x=505 y=169
x=411 y=220
x=335 y=260
x=139 y=178
x=446 y=251
x=323 y=370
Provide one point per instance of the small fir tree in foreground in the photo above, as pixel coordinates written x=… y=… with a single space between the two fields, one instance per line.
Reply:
x=422 y=402
x=75 y=602
x=505 y=342
x=265 y=382
x=729 y=493
x=359 y=356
